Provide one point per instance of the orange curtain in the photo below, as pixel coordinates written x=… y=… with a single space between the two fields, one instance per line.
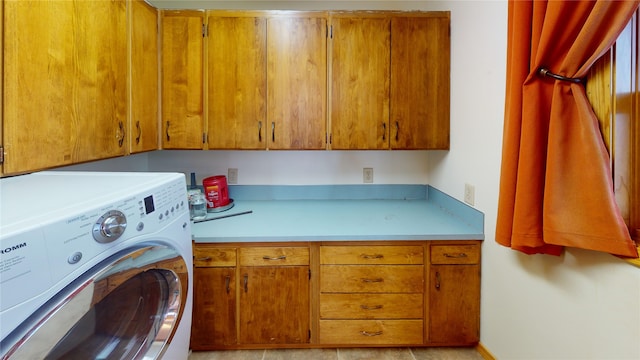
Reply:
x=556 y=186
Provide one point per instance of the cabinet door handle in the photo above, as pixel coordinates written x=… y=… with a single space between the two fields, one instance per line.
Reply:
x=207 y=258
x=397 y=130
x=246 y=282
x=281 y=257
x=437 y=280
x=376 y=280
x=366 y=333
x=139 y=132
x=273 y=131
x=374 y=307
x=374 y=256
x=167 y=132
x=384 y=131
x=456 y=256
x=122 y=134
x=227 y=282
x=260 y=131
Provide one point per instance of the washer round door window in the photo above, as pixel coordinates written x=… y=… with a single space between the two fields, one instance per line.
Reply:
x=126 y=308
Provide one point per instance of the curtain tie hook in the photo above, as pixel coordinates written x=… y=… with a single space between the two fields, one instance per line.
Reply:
x=544 y=72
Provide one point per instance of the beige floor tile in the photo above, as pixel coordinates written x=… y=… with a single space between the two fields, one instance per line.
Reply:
x=227 y=355
x=301 y=354
x=375 y=354
x=446 y=354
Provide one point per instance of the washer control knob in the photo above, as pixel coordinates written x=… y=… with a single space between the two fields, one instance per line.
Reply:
x=109 y=227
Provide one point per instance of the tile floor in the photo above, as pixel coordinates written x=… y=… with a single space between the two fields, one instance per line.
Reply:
x=342 y=354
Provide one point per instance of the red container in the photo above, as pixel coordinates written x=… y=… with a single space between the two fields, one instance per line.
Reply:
x=216 y=191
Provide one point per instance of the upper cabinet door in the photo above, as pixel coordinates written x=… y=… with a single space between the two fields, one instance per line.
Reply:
x=237 y=87
x=144 y=77
x=65 y=83
x=297 y=82
x=182 y=80
x=360 y=65
x=420 y=52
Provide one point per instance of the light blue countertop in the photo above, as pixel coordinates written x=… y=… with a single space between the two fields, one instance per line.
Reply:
x=348 y=213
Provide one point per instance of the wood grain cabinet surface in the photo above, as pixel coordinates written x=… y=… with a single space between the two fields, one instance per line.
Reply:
x=249 y=296
x=182 y=50
x=267 y=75
x=214 y=321
x=454 y=288
x=143 y=125
x=377 y=279
x=336 y=294
x=65 y=83
x=390 y=80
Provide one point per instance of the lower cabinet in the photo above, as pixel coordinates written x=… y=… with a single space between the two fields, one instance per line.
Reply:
x=454 y=294
x=371 y=295
x=214 y=298
x=248 y=296
x=336 y=294
x=274 y=295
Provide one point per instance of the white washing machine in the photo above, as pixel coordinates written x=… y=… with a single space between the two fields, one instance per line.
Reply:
x=95 y=266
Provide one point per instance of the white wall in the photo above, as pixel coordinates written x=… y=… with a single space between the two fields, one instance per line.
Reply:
x=582 y=305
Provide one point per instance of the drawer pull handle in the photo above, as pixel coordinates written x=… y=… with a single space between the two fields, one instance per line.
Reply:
x=281 y=257
x=227 y=282
x=246 y=282
x=376 y=280
x=374 y=307
x=366 y=333
x=456 y=256
x=207 y=258
x=374 y=256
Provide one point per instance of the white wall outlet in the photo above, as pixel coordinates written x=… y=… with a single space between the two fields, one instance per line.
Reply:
x=232 y=176
x=469 y=194
x=367 y=175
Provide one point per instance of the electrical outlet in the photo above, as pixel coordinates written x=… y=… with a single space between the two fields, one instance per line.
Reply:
x=367 y=175
x=232 y=176
x=469 y=194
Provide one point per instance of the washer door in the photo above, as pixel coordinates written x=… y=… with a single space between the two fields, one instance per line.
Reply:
x=127 y=307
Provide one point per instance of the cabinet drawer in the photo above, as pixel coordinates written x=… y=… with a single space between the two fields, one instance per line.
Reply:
x=372 y=278
x=270 y=256
x=371 y=332
x=212 y=257
x=371 y=255
x=455 y=254
x=371 y=306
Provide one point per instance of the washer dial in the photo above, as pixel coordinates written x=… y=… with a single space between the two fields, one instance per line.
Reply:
x=109 y=227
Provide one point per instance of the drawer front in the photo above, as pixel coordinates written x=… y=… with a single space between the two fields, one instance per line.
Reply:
x=213 y=257
x=371 y=306
x=372 y=278
x=371 y=332
x=455 y=254
x=273 y=256
x=372 y=255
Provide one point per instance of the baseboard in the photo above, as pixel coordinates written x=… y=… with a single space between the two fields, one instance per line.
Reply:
x=486 y=355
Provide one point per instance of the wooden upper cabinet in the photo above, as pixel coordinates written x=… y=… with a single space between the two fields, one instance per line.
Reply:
x=182 y=79
x=144 y=77
x=420 y=63
x=237 y=86
x=297 y=82
x=360 y=64
x=65 y=82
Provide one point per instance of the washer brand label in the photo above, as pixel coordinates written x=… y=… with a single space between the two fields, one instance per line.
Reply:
x=12 y=248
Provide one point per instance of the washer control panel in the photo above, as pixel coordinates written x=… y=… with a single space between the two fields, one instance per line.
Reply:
x=79 y=239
